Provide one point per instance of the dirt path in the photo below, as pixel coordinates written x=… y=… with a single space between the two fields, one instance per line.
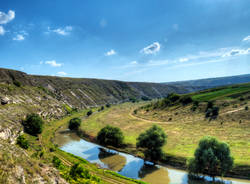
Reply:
x=149 y=121
x=236 y=110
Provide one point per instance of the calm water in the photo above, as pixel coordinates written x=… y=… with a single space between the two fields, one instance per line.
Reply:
x=128 y=165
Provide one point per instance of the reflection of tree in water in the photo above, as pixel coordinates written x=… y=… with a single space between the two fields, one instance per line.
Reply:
x=192 y=179
x=153 y=174
x=113 y=160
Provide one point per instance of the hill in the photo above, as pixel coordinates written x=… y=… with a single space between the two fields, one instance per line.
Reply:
x=213 y=82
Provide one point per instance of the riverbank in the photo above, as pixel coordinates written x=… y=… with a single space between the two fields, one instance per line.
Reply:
x=120 y=116
x=43 y=149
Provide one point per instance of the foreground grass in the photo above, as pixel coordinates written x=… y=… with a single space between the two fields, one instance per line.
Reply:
x=184 y=131
x=44 y=150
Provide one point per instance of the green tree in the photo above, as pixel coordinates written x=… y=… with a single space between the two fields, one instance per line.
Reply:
x=22 y=142
x=110 y=135
x=78 y=170
x=152 y=140
x=212 y=157
x=89 y=112
x=74 y=123
x=33 y=124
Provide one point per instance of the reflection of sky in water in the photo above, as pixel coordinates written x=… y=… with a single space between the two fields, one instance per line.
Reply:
x=90 y=152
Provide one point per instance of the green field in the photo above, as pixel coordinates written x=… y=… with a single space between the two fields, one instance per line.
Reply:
x=224 y=92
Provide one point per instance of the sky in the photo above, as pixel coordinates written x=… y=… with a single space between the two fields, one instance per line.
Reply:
x=129 y=40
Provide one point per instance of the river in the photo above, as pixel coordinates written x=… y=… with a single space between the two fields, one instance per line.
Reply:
x=129 y=165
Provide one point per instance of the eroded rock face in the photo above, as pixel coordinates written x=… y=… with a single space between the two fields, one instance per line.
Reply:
x=5 y=100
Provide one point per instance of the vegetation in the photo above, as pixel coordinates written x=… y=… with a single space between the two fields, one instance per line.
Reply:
x=89 y=112
x=57 y=162
x=33 y=124
x=152 y=140
x=74 y=123
x=211 y=157
x=17 y=83
x=108 y=105
x=110 y=135
x=22 y=142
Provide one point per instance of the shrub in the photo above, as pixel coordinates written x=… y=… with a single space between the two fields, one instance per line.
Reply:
x=108 y=105
x=173 y=97
x=78 y=170
x=56 y=162
x=17 y=83
x=89 y=112
x=33 y=124
x=110 y=135
x=135 y=111
x=152 y=140
x=210 y=105
x=186 y=100
x=22 y=142
x=211 y=157
x=246 y=108
x=215 y=112
x=145 y=98
x=74 y=123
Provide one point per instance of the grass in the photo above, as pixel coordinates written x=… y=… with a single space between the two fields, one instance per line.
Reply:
x=184 y=130
x=45 y=143
x=223 y=92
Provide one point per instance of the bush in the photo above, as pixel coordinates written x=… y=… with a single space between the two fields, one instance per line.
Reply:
x=211 y=157
x=186 y=100
x=246 y=108
x=108 y=105
x=110 y=135
x=173 y=97
x=152 y=139
x=145 y=98
x=56 y=162
x=135 y=111
x=78 y=170
x=22 y=142
x=17 y=83
x=74 y=123
x=89 y=112
x=33 y=124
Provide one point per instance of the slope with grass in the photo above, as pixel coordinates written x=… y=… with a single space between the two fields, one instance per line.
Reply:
x=186 y=126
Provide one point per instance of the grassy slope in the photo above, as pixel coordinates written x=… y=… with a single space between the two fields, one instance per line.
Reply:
x=186 y=127
x=45 y=142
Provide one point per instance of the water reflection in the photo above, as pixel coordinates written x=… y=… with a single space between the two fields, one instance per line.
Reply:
x=128 y=165
x=113 y=160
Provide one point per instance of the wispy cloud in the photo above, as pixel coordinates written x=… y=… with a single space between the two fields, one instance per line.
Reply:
x=110 y=53
x=183 y=59
x=5 y=18
x=61 y=31
x=151 y=49
x=2 y=31
x=61 y=73
x=237 y=52
x=18 y=37
x=53 y=63
x=246 y=39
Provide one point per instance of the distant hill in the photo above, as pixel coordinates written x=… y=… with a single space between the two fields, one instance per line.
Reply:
x=212 y=82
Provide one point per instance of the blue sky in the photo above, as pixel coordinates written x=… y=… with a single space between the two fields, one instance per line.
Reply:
x=131 y=40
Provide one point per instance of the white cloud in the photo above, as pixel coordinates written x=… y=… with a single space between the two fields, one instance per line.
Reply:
x=110 y=53
x=61 y=73
x=61 y=31
x=19 y=37
x=246 y=39
x=2 y=31
x=133 y=62
x=183 y=60
x=236 y=52
x=53 y=63
x=5 y=18
x=151 y=49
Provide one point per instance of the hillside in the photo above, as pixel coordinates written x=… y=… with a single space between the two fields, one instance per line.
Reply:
x=213 y=82
x=221 y=112
x=53 y=98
